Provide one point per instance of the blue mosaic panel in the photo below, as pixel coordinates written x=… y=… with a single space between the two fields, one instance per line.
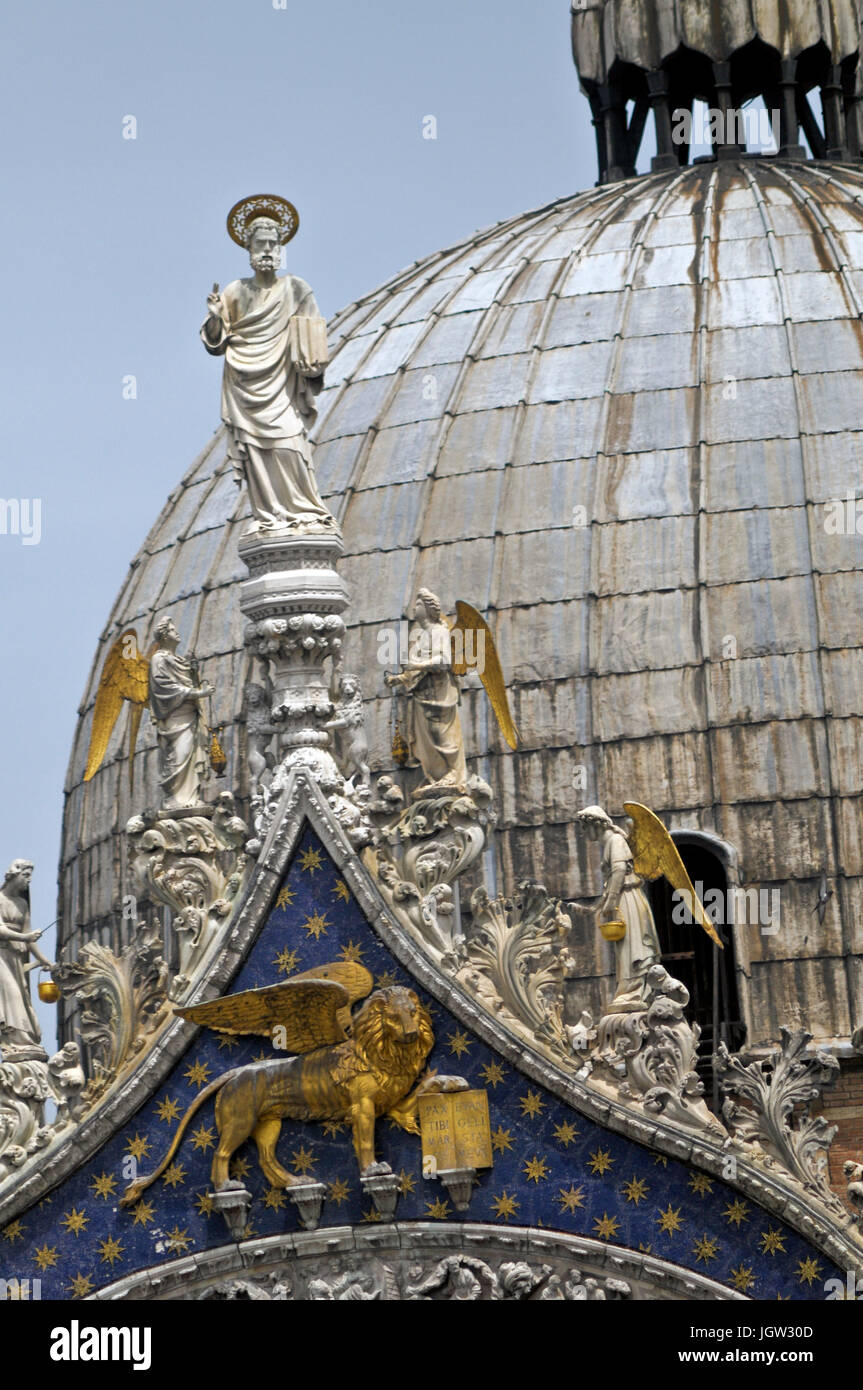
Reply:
x=552 y=1167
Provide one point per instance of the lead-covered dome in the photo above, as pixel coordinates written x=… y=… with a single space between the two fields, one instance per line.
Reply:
x=613 y=424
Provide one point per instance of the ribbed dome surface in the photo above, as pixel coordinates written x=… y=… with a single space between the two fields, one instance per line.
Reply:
x=680 y=356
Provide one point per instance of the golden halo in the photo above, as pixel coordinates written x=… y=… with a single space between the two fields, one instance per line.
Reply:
x=243 y=214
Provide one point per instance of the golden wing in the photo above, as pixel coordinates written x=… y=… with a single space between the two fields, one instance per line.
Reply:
x=481 y=656
x=352 y=976
x=308 y=1011
x=125 y=676
x=655 y=856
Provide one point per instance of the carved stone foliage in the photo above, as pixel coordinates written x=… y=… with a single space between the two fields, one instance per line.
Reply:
x=458 y=1278
x=516 y=960
x=420 y=851
x=122 y=1000
x=28 y=1078
x=648 y=1057
x=767 y=1107
x=195 y=865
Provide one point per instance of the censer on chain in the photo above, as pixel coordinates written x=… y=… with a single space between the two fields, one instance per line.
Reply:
x=398 y=746
x=47 y=990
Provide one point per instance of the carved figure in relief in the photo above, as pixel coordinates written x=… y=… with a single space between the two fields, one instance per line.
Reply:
x=274 y=342
x=18 y=1022
x=439 y=651
x=628 y=858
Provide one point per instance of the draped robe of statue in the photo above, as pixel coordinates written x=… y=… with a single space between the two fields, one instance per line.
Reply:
x=432 y=724
x=18 y=1021
x=640 y=947
x=268 y=392
x=180 y=728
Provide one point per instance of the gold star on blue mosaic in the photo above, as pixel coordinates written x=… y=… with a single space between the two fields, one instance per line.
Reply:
x=742 y=1278
x=501 y=1139
x=505 y=1206
x=286 y=961
x=438 y=1209
x=371 y=1215
x=143 y=1212
x=286 y=897
x=341 y=890
x=14 y=1231
x=174 y=1175
x=46 y=1256
x=178 y=1241
x=772 y=1241
x=407 y=1183
x=600 y=1161
x=138 y=1147
x=459 y=1043
x=205 y=1202
x=736 y=1213
x=110 y=1250
x=168 y=1109
x=303 y=1159
x=338 y=1191
x=198 y=1074
x=104 y=1185
x=535 y=1169
x=316 y=925
x=274 y=1198
x=705 y=1249
x=565 y=1133
x=80 y=1286
x=701 y=1184
x=670 y=1220
x=332 y=1127
x=492 y=1074
x=75 y=1221
x=203 y=1138
x=635 y=1190
x=532 y=1104
x=310 y=861
x=808 y=1270
x=239 y=1168
x=571 y=1198
x=605 y=1226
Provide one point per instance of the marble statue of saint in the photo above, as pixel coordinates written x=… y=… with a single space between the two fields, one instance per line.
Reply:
x=624 y=900
x=19 y=1025
x=175 y=695
x=433 y=729
x=274 y=342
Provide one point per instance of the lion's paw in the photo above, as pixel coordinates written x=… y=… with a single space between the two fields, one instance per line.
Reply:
x=448 y=1083
x=376 y=1170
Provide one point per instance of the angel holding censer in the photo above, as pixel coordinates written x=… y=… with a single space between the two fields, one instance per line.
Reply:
x=439 y=651
x=645 y=852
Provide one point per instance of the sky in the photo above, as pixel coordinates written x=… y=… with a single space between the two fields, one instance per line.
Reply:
x=110 y=245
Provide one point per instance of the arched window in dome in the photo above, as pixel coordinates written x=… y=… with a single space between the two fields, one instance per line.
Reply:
x=709 y=974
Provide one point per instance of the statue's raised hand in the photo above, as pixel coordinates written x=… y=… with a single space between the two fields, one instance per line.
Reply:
x=214 y=302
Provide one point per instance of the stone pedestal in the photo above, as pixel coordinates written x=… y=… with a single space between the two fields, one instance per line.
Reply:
x=294 y=600
x=459 y=1184
x=233 y=1202
x=308 y=1198
x=383 y=1188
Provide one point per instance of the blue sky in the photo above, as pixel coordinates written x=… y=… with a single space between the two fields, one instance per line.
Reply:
x=111 y=245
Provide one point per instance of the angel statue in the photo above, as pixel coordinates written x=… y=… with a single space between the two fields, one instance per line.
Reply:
x=439 y=651
x=350 y=1066
x=624 y=916
x=19 y=1025
x=170 y=684
x=274 y=342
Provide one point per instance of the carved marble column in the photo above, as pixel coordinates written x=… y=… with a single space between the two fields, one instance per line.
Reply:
x=295 y=600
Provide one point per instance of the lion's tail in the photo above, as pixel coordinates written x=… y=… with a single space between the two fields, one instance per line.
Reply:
x=133 y=1192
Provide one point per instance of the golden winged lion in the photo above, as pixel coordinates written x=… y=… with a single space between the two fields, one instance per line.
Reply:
x=347 y=1065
